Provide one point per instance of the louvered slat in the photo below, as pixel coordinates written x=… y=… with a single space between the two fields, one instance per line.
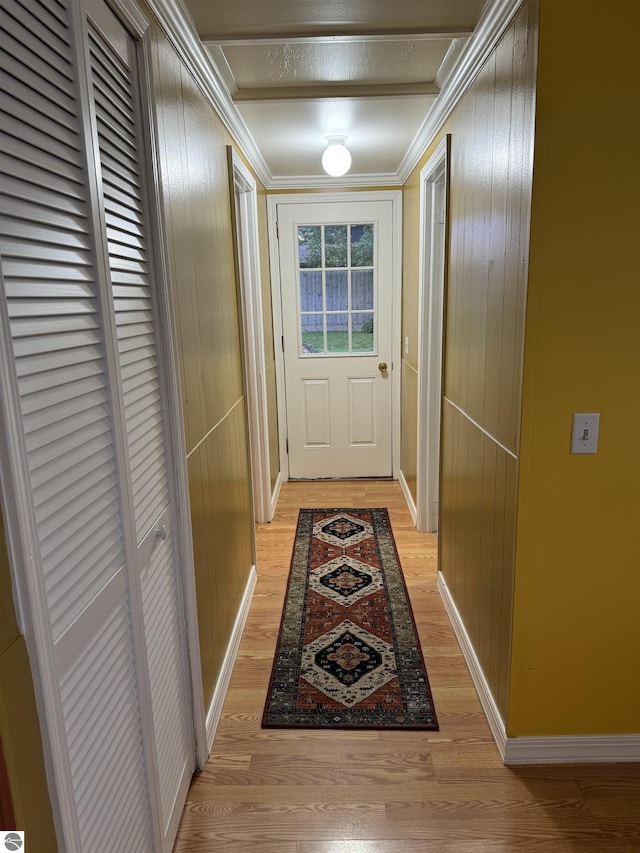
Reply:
x=113 y=84
x=168 y=682
x=43 y=330
x=106 y=740
x=133 y=293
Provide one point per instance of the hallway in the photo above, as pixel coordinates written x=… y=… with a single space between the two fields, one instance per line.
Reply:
x=280 y=791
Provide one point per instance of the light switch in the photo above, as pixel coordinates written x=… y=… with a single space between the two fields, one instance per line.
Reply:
x=406 y=345
x=584 y=434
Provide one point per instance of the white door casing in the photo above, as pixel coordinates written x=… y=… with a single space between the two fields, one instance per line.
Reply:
x=341 y=409
x=246 y=222
x=431 y=288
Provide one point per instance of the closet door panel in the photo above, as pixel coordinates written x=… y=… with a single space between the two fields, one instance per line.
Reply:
x=116 y=95
x=59 y=356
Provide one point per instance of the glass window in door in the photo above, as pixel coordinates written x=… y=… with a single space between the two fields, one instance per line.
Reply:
x=337 y=277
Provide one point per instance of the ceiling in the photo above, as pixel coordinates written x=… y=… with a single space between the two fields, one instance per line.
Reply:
x=298 y=71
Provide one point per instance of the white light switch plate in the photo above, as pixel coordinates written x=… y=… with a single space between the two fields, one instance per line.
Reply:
x=584 y=433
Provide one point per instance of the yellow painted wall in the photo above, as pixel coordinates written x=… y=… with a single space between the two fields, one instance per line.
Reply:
x=195 y=184
x=576 y=645
x=19 y=726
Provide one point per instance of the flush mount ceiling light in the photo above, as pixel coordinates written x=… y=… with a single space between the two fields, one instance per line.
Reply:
x=336 y=159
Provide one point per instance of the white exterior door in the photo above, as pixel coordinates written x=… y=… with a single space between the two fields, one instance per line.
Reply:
x=336 y=265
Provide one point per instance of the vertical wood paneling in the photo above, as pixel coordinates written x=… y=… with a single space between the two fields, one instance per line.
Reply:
x=215 y=535
x=272 y=420
x=518 y=220
x=490 y=186
x=171 y=133
x=195 y=185
x=409 y=428
x=199 y=517
x=501 y=132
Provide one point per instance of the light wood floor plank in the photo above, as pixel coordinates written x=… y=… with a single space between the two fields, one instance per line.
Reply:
x=305 y=791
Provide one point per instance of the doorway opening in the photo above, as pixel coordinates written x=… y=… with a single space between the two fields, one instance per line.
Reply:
x=336 y=308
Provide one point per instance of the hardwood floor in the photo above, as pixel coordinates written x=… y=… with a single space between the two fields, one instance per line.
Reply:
x=294 y=791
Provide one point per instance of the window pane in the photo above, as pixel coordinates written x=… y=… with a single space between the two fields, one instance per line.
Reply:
x=337 y=285
x=309 y=252
x=311 y=291
x=337 y=333
x=362 y=290
x=335 y=246
x=312 y=334
x=362 y=245
x=362 y=332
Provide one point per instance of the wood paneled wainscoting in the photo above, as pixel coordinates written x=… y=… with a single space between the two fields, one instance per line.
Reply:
x=296 y=791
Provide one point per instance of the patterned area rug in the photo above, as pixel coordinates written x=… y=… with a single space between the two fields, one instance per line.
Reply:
x=348 y=655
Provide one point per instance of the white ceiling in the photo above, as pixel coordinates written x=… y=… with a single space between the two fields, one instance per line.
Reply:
x=298 y=71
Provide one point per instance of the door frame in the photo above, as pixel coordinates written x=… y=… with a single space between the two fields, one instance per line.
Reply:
x=245 y=220
x=395 y=197
x=431 y=308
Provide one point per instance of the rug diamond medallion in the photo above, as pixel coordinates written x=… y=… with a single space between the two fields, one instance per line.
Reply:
x=348 y=654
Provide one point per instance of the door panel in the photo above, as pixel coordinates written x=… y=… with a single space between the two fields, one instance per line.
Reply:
x=116 y=94
x=316 y=413
x=336 y=277
x=362 y=412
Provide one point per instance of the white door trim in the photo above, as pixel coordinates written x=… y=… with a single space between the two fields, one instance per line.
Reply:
x=431 y=287
x=248 y=260
x=395 y=197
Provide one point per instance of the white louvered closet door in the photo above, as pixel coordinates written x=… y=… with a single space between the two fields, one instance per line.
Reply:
x=81 y=592
x=116 y=98
x=88 y=428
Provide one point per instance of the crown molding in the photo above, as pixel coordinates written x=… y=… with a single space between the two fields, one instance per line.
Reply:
x=496 y=17
x=179 y=28
x=324 y=182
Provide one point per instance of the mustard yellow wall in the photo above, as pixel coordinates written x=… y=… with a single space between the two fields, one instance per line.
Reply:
x=195 y=185
x=576 y=644
x=19 y=726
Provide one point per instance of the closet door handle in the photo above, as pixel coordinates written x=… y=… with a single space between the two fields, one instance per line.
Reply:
x=161 y=532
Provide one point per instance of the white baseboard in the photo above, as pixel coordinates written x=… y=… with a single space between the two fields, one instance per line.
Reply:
x=477 y=676
x=215 y=709
x=276 y=494
x=571 y=749
x=411 y=504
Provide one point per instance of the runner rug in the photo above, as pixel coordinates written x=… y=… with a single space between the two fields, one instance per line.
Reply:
x=348 y=655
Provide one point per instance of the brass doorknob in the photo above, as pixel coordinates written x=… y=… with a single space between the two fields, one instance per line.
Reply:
x=382 y=367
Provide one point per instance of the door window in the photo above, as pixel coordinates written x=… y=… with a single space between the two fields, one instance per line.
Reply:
x=336 y=289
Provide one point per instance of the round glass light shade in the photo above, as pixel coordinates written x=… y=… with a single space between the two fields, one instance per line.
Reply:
x=336 y=159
